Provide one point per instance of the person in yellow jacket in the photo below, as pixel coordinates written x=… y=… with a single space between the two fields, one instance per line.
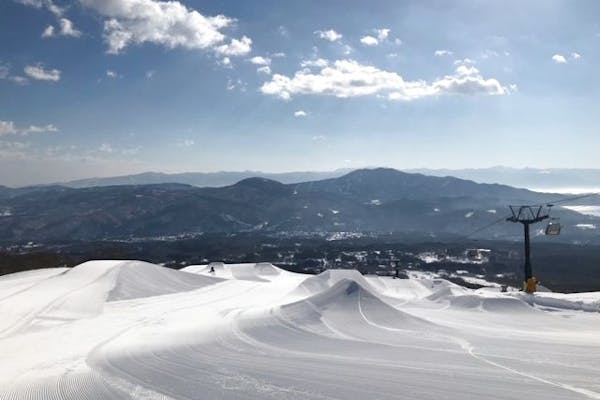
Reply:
x=531 y=285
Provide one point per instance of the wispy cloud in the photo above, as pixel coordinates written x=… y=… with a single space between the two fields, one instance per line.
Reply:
x=443 y=52
x=185 y=143
x=112 y=74
x=318 y=62
x=38 y=72
x=264 y=70
x=43 y=4
x=10 y=128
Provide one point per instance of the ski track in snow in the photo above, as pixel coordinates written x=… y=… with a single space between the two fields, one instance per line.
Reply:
x=129 y=330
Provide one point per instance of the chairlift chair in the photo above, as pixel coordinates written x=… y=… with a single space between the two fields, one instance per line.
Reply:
x=553 y=227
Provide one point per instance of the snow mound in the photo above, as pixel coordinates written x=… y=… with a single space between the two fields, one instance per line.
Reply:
x=349 y=303
x=136 y=279
x=19 y=281
x=461 y=298
x=327 y=279
x=589 y=302
x=84 y=290
x=258 y=272
x=499 y=304
x=405 y=289
x=442 y=289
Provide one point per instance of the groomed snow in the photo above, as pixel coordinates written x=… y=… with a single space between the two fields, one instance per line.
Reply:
x=129 y=329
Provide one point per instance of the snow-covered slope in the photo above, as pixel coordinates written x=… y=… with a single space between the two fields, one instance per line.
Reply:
x=128 y=329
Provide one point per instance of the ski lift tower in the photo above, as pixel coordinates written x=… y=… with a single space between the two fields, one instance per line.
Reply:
x=528 y=215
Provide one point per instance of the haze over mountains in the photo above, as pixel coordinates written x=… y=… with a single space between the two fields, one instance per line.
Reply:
x=378 y=200
x=549 y=180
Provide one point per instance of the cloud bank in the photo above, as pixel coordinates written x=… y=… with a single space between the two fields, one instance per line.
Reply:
x=348 y=78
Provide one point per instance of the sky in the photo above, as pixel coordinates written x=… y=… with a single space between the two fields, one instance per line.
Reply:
x=92 y=88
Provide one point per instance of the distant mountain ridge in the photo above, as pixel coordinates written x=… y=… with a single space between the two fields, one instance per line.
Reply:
x=203 y=179
x=553 y=179
x=369 y=200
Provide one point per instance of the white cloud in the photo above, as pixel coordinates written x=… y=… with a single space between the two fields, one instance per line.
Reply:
x=575 y=56
x=348 y=78
x=300 y=113
x=264 y=70
x=319 y=62
x=9 y=128
x=283 y=31
x=464 y=61
x=39 y=129
x=4 y=71
x=369 y=41
x=278 y=55
x=236 y=47
x=559 y=59
x=111 y=74
x=258 y=60
x=108 y=150
x=329 y=35
x=487 y=53
x=19 y=80
x=167 y=23
x=150 y=74
x=236 y=84
x=185 y=143
x=48 y=32
x=397 y=42
x=226 y=62
x=67 y=28
x=47 y=4
x=382 y=34
x=441 y=53
x=38 y=72
x=105 y=148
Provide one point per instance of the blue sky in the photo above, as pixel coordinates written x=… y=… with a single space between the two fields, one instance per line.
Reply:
x=107 y=87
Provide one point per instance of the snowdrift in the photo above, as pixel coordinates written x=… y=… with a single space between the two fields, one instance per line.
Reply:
x=589 y=302
x=83 y=291
x=327 y=279
x=490 y=304
x=129 y=329
x=348 y=300
x=260 y=272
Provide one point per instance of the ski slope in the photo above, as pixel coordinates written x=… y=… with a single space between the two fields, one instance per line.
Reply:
x=134 y=330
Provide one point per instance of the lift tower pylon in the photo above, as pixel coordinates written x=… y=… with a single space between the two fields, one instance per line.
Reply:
x=528 y=215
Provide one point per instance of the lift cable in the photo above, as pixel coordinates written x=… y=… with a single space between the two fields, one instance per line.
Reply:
x=569 y=199
x=503 y=219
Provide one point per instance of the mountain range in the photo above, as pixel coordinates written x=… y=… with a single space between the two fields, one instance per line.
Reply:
x=368 y=200
x=548 y=180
